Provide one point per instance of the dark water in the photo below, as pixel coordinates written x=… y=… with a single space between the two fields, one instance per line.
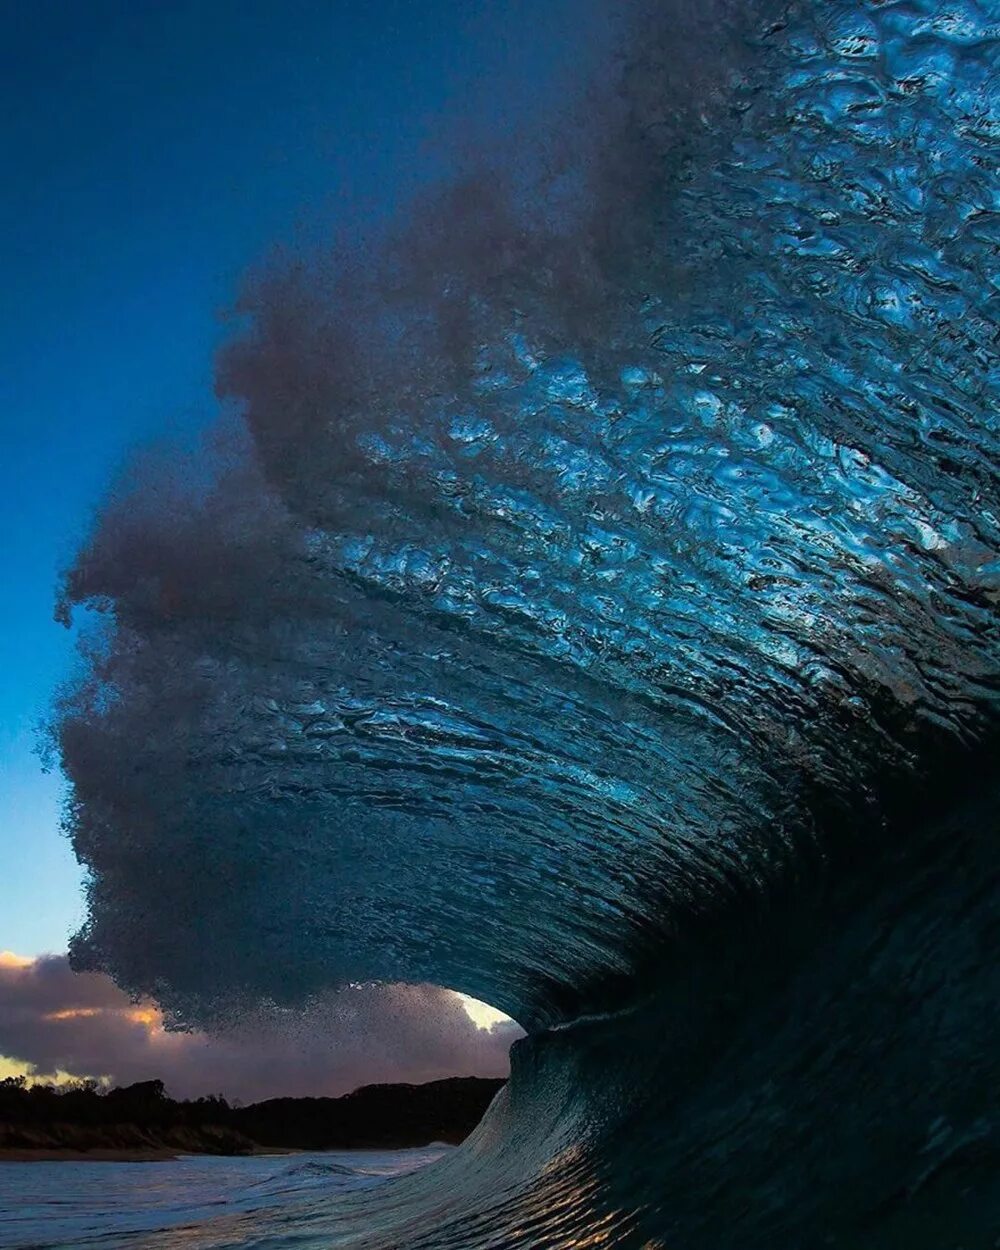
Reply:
x=79 y=1204
x=644 y=688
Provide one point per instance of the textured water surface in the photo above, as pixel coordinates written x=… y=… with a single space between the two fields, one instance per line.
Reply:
x=638 y=677
x=78 y=1204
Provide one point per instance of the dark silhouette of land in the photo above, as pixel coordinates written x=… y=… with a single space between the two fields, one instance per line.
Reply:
x=140 y=1122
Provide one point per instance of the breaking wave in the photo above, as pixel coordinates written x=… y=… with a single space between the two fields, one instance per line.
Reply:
x=589 y=604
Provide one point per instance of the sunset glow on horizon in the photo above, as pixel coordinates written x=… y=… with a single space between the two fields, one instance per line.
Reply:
x=484 y=1016
x=58 y=1026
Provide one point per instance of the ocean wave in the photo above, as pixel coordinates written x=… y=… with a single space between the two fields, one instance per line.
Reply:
x=597 y=615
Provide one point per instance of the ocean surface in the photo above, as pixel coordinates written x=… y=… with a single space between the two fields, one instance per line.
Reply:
x=196 y=1200
x=601 y=620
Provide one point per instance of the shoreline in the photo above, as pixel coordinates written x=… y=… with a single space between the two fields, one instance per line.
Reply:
x=140 y=1123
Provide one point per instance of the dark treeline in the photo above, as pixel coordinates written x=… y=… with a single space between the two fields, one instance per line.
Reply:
x=83 y=1116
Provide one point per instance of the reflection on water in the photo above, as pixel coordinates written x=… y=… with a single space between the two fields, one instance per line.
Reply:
x=55 y=1206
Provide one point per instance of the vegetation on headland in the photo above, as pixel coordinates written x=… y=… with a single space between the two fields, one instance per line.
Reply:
x=141 y=1119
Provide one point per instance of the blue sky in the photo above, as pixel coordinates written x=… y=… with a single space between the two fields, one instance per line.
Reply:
x=151 y=152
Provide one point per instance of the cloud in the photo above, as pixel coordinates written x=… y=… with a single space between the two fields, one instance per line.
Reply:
x=9 y=960
x=53 y=1020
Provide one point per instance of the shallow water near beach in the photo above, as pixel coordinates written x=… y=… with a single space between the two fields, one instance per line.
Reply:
x=56 y=1206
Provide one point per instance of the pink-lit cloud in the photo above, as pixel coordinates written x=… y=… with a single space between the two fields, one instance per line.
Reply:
x=55 y=1020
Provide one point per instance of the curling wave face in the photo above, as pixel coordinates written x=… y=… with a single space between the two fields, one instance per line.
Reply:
x=627 y=659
